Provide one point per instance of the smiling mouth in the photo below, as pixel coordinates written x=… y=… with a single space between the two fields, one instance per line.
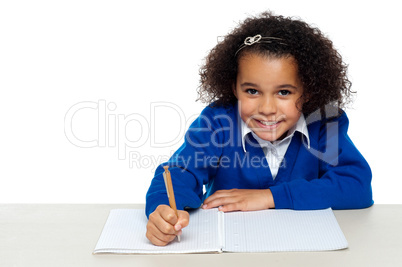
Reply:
x=268 y=123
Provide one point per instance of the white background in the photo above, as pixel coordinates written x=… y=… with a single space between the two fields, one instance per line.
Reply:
x=96 y=73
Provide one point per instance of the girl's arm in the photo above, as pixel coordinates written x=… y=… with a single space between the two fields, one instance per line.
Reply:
x=187 y=165
x=344 y=176
x=240 y=199
x=344 y=180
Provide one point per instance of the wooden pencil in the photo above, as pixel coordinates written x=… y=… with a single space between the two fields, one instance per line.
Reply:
x=170 y=192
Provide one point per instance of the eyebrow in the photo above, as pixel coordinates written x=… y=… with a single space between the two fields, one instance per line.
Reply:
x=248 y=84
x=280 y=86
x=287 y=86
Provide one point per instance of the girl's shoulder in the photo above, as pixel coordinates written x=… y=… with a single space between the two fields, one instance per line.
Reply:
x=321 y=118
x=216 y=111
x=323 y=125
x=216 y=117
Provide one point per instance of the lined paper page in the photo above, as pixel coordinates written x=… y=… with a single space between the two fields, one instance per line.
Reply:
x=283 y=230
x=124 y=232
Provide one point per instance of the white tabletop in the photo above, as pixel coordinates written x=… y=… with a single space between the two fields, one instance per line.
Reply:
x=66 y=234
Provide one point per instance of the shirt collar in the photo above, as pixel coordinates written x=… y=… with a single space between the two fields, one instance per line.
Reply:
x=300 y=126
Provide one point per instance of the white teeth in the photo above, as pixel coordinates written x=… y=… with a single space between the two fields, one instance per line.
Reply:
x=268 y=123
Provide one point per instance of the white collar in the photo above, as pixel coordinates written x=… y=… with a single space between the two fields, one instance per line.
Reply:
x=300 y=126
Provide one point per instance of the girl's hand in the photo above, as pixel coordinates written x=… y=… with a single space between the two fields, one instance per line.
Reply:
x=163 y=225
x=240 y=199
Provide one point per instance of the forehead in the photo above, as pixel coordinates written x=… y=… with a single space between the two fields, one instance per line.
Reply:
x=261 y=67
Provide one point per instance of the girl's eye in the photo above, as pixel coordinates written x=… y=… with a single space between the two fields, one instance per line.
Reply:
x=284 y=92
x=252 y=91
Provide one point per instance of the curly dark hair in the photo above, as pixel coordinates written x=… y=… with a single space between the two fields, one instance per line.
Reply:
x=320 y=67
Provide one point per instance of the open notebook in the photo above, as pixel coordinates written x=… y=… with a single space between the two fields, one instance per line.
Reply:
x=212 y=231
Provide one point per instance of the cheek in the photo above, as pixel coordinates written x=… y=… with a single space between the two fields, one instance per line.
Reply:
x=293 y=112
x=290 y=109
x=246 y=107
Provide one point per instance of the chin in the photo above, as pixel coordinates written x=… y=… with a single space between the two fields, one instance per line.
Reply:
x=268 y=137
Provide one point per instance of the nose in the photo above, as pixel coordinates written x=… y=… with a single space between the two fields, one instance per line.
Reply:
x=267 y=106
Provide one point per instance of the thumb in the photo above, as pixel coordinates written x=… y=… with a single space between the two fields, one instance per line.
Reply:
x=183 y=220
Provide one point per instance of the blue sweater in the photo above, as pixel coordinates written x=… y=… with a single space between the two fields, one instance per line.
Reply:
x=331 y=173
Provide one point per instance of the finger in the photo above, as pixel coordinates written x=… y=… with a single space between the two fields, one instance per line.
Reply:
x=220 y=193
x=157 y=219
x=231 y=207
x=169 y=215
x=213 y=199
x=156 y=237
x=221 y=202
x=155 y=241
x=183 y=220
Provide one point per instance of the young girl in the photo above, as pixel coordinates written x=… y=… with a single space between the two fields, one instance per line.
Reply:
x=273 y=135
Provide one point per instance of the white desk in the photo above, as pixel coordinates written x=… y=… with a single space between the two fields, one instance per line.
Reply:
x=65 y=235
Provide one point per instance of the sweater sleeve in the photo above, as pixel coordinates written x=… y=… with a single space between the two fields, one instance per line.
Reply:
x=191 y=165
x=344 y=180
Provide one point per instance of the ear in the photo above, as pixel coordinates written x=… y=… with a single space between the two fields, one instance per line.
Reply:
x=234 y=90
x=306 y=98
x=302 y=100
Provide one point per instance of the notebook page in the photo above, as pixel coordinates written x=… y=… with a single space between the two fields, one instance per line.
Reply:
x=124 y=232
x=283 y=230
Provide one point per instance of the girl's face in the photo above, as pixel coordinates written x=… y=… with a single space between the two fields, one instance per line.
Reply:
x=268 y=89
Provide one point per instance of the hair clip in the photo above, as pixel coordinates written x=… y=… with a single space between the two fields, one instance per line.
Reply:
x=257 y=39
x=252 y=40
